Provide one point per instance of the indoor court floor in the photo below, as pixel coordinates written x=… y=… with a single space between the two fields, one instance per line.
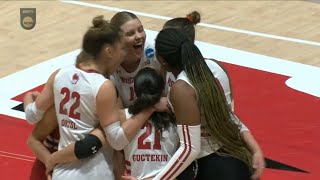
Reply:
x=271 y=50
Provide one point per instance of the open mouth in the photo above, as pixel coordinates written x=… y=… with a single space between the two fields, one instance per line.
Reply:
x=137 y=46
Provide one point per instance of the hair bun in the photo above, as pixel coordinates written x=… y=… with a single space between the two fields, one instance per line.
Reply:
x=194 y=17
x=98 y=21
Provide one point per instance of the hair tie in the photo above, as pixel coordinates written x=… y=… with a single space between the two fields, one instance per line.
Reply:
x=189 y=17
x=182 y=42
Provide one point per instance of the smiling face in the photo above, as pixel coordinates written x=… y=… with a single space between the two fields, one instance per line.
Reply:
x=135 y=38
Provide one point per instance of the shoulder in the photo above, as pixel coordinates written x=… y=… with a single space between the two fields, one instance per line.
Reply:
x=107 y=89
x=53 y=76
x=214 y=64
x=181 y=89
x=107 y=85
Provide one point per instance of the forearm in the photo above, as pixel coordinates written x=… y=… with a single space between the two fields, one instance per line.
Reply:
x=81 y=149
x=38 y=149
x=65 y=155
x=237 y=120
x=251 y=142
x=119 y=164
x=120 y=135
x=134 y=124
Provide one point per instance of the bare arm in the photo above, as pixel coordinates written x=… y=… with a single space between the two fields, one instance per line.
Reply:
x=108 y=113
x=35 y=104
x=258 y=157
x=66 y=155
x=118 y=156
x=46 y=97
x=41 y=130
x=119 y=164
x=251 y=142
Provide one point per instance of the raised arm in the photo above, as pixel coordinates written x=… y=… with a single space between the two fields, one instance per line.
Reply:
x=188 y=119
x=118 y=135
x=36 y=105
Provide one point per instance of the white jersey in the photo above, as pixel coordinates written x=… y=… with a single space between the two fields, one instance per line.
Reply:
x=75 y=94
x=147 y=153
x=209 y=144
x=124 y=80
x=218 y=73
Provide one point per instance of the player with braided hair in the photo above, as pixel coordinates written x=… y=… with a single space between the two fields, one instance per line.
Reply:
x=187 y=25
x=179 y=55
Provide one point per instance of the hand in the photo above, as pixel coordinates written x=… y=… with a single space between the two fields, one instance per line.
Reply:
x=49 y=177
x=50 y=164
x=33 y=95
x=128 y=178
x=162 y=105
x=258 y=164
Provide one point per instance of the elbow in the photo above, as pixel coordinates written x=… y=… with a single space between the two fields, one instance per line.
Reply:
x=33 y=114
x=116 y=136
x=30 y=117
x=118 y=146
x=31 y=121
x=117 y=143
x=195 y=152
x=191 y=152
x=30 y=142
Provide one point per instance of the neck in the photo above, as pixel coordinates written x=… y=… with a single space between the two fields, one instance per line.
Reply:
x=176 y=73
x=130 y=66
x=91 y=65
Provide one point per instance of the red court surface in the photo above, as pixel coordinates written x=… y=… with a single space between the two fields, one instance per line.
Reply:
x=284 y=121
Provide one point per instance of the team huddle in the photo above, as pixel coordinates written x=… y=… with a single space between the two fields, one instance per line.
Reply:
x=131 y=109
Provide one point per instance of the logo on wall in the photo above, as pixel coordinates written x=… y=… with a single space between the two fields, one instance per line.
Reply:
x=27 y=18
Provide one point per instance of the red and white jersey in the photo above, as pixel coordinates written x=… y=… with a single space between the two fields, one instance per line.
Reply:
x=124 y=80
x=148 y=153
x=208 y=144
x=75 y=94
x=218 y=73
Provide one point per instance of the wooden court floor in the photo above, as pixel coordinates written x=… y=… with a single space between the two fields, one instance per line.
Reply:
x=60 y=26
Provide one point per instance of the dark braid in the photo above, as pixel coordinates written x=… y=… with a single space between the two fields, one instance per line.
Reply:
x=181 y=53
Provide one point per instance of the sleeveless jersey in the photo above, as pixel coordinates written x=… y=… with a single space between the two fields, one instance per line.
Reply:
x=217 y=72
x=124 y=80
x=75 y=94
x=148 y=153
x=209 y=144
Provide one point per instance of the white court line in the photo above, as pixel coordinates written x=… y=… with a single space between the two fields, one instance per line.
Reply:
x=12 y=157
x=14 y=154
x=200 y=24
